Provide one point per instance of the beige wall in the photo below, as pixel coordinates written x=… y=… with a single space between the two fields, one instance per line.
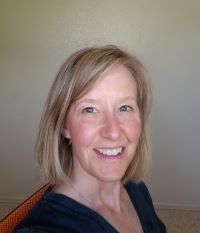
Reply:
x=37 y=35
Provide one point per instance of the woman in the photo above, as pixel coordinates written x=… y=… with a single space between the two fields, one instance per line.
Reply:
x=92 y=145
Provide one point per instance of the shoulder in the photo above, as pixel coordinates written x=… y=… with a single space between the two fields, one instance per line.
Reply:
x=143 y=203
x=45 y=215
x=38 y=229
x=138 y=189
x=59 y=213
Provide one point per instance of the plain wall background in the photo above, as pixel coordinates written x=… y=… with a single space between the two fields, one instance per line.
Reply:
x=35 y=38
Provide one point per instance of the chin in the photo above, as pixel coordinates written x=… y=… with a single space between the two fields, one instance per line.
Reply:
x=111 y=177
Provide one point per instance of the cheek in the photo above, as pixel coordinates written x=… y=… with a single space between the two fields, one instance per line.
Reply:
x=134 y=130
x=81 y=134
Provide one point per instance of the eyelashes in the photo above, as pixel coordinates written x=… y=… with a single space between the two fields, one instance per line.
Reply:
x=123 y=108
x=89 y=110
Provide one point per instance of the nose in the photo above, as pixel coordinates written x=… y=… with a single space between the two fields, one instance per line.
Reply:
x=111 y=127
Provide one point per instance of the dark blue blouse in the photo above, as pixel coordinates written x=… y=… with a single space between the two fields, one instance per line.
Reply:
x=59 y=213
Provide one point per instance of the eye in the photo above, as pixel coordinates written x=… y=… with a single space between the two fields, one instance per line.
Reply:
x=125 y=108
x=89 y=110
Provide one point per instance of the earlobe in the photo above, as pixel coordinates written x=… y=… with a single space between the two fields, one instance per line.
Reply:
x=65 y=133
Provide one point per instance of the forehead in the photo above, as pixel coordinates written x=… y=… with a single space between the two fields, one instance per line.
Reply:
x=115 y=81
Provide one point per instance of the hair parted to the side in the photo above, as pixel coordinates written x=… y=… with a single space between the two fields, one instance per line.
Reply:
x=77 y=76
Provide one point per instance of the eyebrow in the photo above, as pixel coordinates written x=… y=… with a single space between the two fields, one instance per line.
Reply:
x=93 y=101
x=87 y=100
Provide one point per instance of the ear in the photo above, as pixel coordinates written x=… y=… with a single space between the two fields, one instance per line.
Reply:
x=65 y=133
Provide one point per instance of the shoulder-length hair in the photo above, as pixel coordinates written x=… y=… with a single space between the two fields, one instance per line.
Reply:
x=76 y=76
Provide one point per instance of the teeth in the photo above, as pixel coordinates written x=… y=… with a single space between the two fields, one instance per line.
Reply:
x=110 y=152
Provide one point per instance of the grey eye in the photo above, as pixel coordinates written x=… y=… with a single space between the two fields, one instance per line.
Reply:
x=125 y=108
x=88 y=110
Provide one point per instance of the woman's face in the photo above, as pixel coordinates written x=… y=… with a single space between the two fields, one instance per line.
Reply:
x=104 y=127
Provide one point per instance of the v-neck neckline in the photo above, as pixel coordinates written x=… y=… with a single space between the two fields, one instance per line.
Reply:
x=79 y=207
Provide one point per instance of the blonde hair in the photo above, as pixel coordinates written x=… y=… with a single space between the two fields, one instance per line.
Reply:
x=76 y=76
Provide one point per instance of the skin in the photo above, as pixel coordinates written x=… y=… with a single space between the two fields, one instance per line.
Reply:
x=105 y=118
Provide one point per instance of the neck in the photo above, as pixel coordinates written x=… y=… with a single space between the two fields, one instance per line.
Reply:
x=109 y=195
x=94 y=194
x=101 y=194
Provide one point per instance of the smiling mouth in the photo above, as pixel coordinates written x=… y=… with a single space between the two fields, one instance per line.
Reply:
x=110 y=152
